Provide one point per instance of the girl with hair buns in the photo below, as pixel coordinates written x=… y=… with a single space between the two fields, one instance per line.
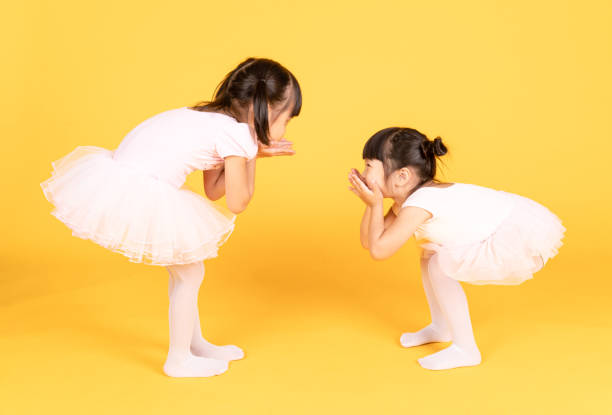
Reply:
x=467 y=233
x=132 y=201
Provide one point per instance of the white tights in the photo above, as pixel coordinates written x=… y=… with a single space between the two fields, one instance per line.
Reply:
x=450 y=320
x=189 y=354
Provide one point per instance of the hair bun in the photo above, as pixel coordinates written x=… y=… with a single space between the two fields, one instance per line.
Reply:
x=438 y=147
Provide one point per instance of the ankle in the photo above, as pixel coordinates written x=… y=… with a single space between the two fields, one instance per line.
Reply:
x=199 y=342
x=468 y=347
x=439 y=328
x=175 y=356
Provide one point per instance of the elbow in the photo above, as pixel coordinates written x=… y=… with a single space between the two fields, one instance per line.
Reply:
x=239 y=206
x=212 y=196
x=213 y=191
x=377 y=254
x=235 y=209
x=364 y=244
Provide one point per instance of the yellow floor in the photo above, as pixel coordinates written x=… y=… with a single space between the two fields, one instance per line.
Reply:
x=320 y=337
x=520 y=93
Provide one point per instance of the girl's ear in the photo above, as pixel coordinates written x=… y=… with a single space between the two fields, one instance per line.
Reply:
x=404 y=175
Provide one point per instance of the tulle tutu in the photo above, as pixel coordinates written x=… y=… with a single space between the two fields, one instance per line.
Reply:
x=134 y=213
x=528 y=237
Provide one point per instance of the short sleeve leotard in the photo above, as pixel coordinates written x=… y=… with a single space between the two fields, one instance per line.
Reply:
x=131 y=199
x=483 y=235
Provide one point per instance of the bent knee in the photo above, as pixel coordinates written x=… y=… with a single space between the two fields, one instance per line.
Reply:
x=433 y=266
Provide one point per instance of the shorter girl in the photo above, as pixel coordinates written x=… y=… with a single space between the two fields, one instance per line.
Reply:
x=467 y=233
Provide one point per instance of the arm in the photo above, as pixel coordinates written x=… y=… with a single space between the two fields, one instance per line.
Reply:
x=385 y=242
x=251 y=175
x=214 y=183
x=239 y=182
x=365 y=224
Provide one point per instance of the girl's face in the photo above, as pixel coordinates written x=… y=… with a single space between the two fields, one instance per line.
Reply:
x=277 y=122
x=278 y=126
x=396 y=184
x=375 y=173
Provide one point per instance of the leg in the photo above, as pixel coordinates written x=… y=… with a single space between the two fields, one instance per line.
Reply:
x=438 y=330
x=199 y=345
x=452 y=300
x=183 y=287
x=170 y=282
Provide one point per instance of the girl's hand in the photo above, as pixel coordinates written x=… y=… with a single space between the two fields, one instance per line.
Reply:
x=369 y=193
x=276 y=148
x=358 y=174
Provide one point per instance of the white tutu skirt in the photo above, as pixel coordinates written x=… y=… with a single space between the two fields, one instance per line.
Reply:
x=528 y=237
x=127 y=211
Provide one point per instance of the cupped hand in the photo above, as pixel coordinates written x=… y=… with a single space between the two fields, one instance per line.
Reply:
x=368 y=191
x=276 y=148
x=358 y=174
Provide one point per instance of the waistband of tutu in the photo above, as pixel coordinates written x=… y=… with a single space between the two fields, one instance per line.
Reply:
x=513 y=204
x=135 y=168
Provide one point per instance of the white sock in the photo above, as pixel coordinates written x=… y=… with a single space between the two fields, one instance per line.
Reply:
x=190 y=366
x=183 y=290
x=428 y=334
x=202 y=347
x=449 y=358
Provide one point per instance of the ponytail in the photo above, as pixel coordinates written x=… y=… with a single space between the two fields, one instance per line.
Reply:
x=431 y=151
x=260 y=111
x=438 y=148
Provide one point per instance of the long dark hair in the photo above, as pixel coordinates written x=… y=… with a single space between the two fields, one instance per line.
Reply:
x=261 y=82
x=398 y=147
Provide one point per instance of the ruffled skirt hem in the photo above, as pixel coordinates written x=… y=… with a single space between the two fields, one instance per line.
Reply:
x=144 y=218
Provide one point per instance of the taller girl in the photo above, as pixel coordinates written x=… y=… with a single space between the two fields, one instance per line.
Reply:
x=131 y=200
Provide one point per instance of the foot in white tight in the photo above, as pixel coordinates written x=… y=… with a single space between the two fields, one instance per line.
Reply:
x=205 y=349
x=451 y=357
x=193 y=366
x=428 y=334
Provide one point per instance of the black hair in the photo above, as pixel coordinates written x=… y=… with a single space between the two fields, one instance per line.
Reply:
x=398 y=147
x=262 y=82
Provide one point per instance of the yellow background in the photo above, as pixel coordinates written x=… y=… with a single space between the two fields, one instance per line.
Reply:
x=519 y=90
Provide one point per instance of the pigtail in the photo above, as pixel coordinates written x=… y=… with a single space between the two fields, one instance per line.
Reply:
x=260 y=111
x=261 y=82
